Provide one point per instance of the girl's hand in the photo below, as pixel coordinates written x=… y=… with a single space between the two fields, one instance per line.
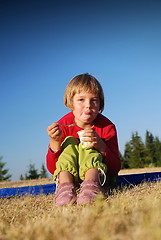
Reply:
x=55 y=134
x=96 y=142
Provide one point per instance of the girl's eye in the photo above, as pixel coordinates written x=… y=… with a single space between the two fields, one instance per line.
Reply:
x=80 y=99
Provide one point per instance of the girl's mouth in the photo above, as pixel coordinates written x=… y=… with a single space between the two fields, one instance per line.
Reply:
x=87 y=113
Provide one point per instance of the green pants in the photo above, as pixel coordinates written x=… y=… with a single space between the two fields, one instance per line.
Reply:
x=78 y=160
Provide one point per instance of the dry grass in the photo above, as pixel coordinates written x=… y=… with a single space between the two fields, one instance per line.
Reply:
x=139 y=170
x=128 y=214
x=22 y=183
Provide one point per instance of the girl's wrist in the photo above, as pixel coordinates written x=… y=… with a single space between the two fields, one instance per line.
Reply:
x=54 y=151
x=55 y=146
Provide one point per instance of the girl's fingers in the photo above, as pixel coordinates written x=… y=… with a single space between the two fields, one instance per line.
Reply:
x=57 y=132
x=91 y=135
x=52 y=126
x=55 y=129
x=89 y=139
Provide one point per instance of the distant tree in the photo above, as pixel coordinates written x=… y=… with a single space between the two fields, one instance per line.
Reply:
x=127 y=155
x=4 y=176
x=43 y=172
x=22 y=177
x=32 y=173
x=124 y=161
x=134 y=155
x=158 y=152
x=150 y=149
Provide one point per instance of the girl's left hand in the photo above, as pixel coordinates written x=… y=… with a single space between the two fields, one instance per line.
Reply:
x=96 y=142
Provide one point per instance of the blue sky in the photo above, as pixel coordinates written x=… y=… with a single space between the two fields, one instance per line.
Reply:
x=45 y=43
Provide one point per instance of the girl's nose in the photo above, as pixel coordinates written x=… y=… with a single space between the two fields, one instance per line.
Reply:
x=88 y=104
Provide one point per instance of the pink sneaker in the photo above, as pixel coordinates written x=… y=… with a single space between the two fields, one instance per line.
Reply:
x=88 y=192
x=65 y=194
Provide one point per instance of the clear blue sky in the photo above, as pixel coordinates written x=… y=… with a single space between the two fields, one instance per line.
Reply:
x=44 y=43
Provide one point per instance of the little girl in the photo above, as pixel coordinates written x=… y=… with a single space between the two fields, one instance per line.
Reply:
x=73 y=162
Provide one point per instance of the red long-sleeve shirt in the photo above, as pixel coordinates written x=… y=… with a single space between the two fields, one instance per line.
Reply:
x=107 y=132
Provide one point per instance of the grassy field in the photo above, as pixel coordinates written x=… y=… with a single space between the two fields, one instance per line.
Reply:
x=128 y=214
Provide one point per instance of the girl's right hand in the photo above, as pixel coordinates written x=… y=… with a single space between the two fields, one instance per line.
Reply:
x=54 y=132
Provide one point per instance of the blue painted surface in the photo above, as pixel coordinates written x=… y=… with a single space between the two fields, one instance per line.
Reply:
x=123 y=180
x=32 y=190
x=133 y=179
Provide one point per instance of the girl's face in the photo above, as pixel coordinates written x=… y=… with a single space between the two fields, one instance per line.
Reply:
x=85 y=108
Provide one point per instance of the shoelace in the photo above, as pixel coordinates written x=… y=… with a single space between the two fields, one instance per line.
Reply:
x=100 y=175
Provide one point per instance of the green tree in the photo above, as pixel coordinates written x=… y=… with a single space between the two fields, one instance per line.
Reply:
x=158 y=152
x=21 y=177
x=32 y=172
x=43 y=172
x=4 y=176
x=127 y=155
x=150 y=150
x=124 y=163
x=134 y=155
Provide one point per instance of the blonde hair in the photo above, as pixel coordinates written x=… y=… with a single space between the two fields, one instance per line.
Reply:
x=83 y=83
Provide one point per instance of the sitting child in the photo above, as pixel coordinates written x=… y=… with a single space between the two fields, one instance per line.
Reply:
x=72 y=161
